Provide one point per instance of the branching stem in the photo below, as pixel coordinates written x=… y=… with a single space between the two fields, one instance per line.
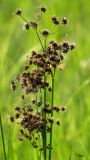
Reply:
x=36 y=31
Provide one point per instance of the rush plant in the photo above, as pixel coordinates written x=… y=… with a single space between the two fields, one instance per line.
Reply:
x=36 y=115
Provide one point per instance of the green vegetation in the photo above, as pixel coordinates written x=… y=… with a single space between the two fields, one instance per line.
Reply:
x=71 y=141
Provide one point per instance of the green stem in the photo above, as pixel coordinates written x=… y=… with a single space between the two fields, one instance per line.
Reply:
x=8 y=141
x=45 y=43
x=39 y=39
x=52 y=102
x=45 y=136
x=2 y=138
x=24 y=19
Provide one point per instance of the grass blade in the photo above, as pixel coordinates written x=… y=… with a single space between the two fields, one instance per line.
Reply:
x=8 y=143
x=70 y=154
x=2 y=135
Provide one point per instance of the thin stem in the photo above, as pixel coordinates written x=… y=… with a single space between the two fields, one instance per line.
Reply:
x=39 y=39
x=24 y=19
x=52 y=102
x=70 y=154
x=8 y=141
x=3 y=138
x=40 y=152
x=34 y=30
x=45 y=136
x=45 y=43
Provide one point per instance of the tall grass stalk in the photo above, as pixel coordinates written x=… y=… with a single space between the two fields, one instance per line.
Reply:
x=70 y=154
x=39 y=121
x=52 y=103
x=8 y=143
x=45 y=134
x=2 y=136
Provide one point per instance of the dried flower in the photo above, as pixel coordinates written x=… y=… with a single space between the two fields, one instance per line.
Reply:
x=18 y=12
x=45 y=32
x=72 y=46
x=12 y=119
x=64 y=47
x=63 y=109
x=58 y=122
x=56 y=108
x=26 y=26
x=17 y=115
x=64 y=21
x=55 y=20
x=43 y=9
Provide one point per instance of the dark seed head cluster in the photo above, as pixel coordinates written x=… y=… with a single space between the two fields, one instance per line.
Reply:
x=36 y=115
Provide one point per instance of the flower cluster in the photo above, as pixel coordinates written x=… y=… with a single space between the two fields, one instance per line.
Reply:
x=36 y=117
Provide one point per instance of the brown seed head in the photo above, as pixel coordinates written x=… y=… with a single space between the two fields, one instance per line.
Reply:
x=55 y=20
x=43 y=9
x=45 y=32
x=64 y=21
x=63 y=109
x=58 y=122
x=26 y=26
x=72 y=46
x=18 y=12
x=12 y=119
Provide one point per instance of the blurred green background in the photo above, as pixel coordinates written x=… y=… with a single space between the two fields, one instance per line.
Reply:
x=72 y=84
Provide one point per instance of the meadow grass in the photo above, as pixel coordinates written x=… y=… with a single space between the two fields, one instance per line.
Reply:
x=72 y=84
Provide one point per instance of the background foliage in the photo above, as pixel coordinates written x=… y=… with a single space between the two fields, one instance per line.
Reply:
x=72 y=84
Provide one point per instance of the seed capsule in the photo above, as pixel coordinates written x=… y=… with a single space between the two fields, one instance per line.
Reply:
x=17 y=108
x=26 y=26
x=57 y=109
x=45 y=32
x=17 y=115
x=72 y=46
x=58 y=123
x=55 y=20
x=18 y=12
x=43 y=9
x=63 y=109
x=12 y=119
x=64 y=21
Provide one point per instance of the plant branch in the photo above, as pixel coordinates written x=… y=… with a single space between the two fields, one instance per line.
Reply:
x=34 y=30
x=39 y=39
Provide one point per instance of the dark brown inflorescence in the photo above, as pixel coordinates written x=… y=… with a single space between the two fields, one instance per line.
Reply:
x=55 y=20
x=36 y=116
x=43 y=9
x=18 y=12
